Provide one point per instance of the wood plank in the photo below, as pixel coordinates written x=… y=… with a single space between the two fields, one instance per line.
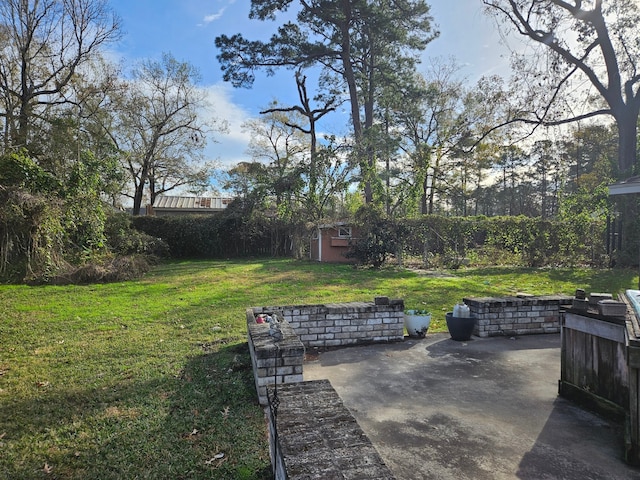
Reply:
x=593 y=326
x=633 y=357
x=592 y=401
x=632 y=430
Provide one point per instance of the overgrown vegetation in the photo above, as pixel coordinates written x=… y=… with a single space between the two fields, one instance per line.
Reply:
x=429 y=241
x=450 y=242
x=54 y=231
x=152 y=378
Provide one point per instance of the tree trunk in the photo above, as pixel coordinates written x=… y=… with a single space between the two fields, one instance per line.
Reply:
x=423 y=197
x=137 y=198
x=139 y=192
x=627 y=143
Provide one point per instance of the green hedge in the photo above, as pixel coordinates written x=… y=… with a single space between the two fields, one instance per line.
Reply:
x=528 y=241
x=444 y=241
x=209 y=236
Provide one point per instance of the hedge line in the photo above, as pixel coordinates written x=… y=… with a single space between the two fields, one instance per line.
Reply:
x=210 y=236
x=448 y=240
x=529 y=241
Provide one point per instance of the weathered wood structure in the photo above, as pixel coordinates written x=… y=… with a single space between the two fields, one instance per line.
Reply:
x=600 y=366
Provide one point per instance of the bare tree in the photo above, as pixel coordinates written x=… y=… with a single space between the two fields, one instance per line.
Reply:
x=277 y=142
x=160 y=130
x=580 y=42
x=45 y=42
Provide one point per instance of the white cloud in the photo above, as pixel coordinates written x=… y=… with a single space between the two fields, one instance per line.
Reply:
x=213 y=16
x=231 y=145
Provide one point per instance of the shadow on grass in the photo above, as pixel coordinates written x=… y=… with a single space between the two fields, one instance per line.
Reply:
x=203 y=423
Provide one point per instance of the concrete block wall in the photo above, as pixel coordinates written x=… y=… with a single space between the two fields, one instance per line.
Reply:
x=341 y=324
x=275 y=360
x=508 y=316
x=313 y=436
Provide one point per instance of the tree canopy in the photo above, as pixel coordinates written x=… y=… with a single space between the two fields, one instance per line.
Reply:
x=362 y=47
x=45 y=43
x=580 y=43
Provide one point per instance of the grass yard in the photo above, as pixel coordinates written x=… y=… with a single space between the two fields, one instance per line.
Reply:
x=152 y=378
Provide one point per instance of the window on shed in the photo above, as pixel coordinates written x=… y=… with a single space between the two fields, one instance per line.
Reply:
x=344 y=232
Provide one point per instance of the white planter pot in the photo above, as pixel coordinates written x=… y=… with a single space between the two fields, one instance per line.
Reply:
x=417 y=325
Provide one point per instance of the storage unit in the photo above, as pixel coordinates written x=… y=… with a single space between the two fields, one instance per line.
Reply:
x=600 y=366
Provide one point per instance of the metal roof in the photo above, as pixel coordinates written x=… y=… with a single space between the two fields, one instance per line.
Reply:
x=198 y=204
x=630 y=185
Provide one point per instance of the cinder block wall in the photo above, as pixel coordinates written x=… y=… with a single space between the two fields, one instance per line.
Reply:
x=508 y=316
x=275 y=360
x=341 y=324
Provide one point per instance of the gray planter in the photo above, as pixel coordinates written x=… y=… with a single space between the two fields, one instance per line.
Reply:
x=460 y=328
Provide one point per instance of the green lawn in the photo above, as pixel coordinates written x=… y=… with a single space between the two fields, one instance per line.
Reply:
x=152 y=378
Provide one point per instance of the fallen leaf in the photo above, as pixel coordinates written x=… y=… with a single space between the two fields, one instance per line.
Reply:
x=225 y=412
x=215 y=459
x=47 y=468
x=43 y=384
x=194 y=432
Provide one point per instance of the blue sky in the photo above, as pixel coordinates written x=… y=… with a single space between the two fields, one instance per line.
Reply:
x=187 y=29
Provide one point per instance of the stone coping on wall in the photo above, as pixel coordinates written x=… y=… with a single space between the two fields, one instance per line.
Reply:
x=313 y=436
x=517 y=315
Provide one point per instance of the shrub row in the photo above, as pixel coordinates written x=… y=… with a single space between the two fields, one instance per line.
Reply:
x=450 y=241
x=533 y=242
x=210 y=236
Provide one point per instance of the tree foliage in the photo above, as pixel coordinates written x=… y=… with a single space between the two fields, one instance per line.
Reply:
x=362 y=48
x=579 y=42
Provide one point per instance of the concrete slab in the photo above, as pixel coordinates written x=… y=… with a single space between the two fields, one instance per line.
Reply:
x=483 y=409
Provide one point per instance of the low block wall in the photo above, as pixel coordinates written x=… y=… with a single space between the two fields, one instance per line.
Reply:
x=508 y=316
x=313 y=436
x=274 y=360
x=341 y=324
x=279 y=360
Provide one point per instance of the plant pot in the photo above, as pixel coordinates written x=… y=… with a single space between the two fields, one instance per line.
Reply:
x=460 y=328
x=417 y=325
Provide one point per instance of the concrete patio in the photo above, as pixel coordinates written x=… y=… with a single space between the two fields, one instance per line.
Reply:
x=484 y=409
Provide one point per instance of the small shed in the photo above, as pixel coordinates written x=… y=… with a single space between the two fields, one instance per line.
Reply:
x=175 y=205
x=331 y=242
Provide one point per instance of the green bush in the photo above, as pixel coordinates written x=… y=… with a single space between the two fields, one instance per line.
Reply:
x=212 y=236
x=123 y=239
x=377 y=237
x=531 y=242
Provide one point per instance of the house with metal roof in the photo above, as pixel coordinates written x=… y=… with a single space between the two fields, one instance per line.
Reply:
x=177 y=205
